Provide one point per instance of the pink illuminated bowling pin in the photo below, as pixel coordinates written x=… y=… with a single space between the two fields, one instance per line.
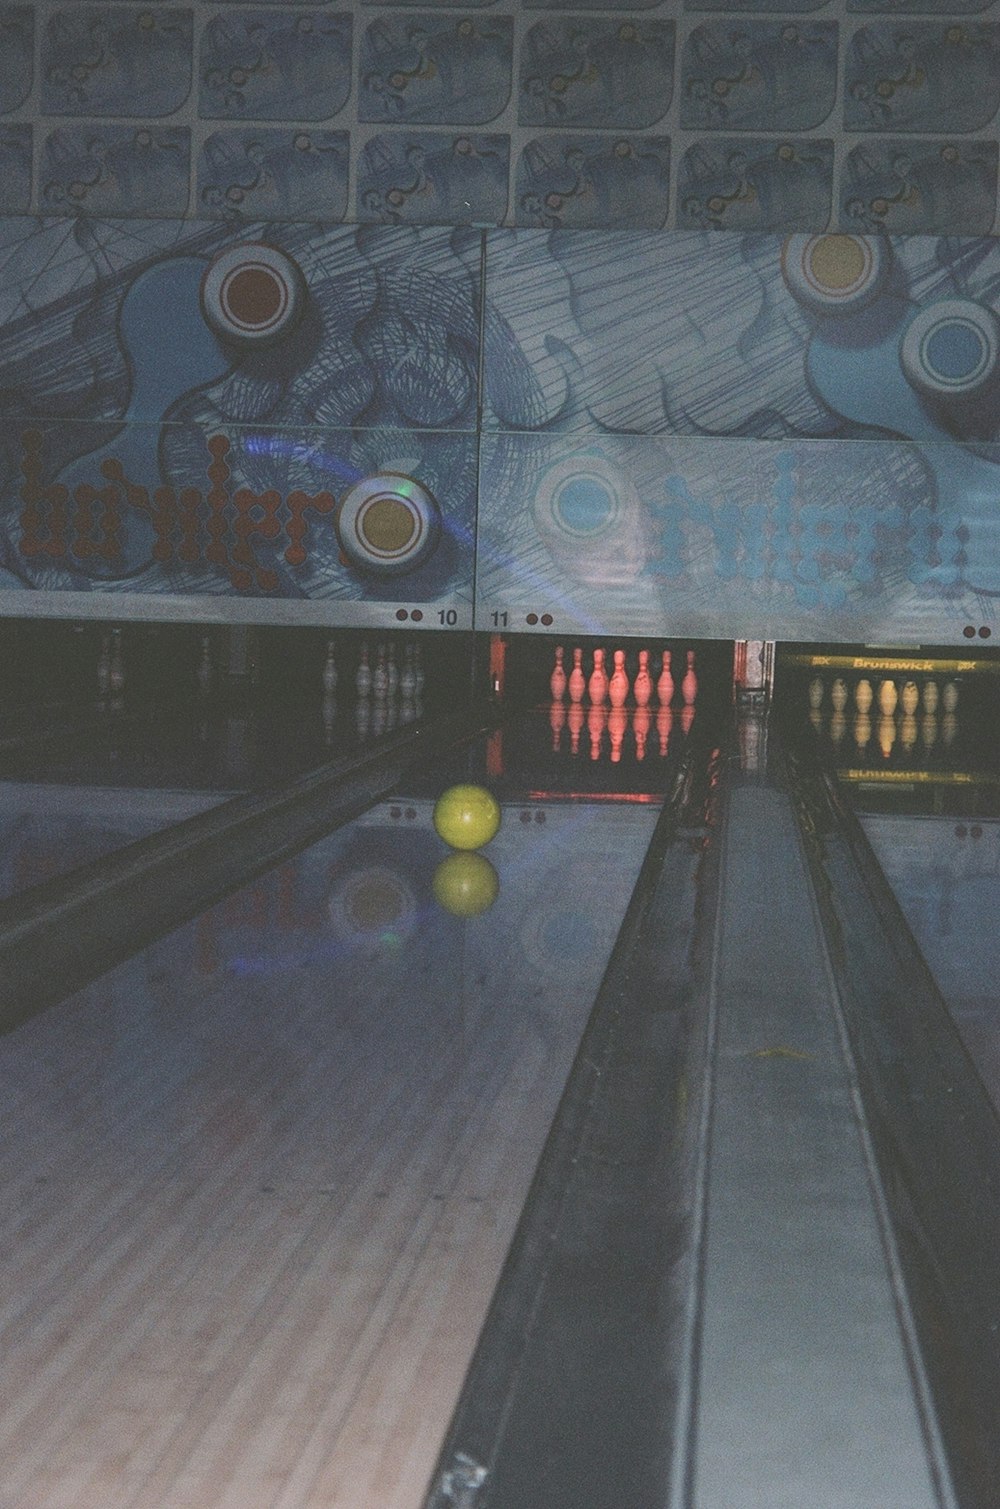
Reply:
x=617 y=724
x=596 y=719
x=665 y=685
x=557 y=722
x=641 y=720
x=642 y=689
x=618 y=685
x=597 y=686
x=664 y=726
x=689 y=686
x=575 y=720
x=557 y=681
x=577 y=680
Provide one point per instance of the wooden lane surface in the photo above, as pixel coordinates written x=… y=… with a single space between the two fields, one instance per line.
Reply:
x=253 y=1216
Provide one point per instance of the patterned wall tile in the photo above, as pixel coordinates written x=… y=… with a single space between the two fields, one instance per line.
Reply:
x=759 y=75
x=15 y=168
x=925 y=76
x=17 y=31
x=439 y=69
x=739 y=183
x=913 y=7
x=908 y=186
x=598 y=72
x=583 y=180
x=104 y=170
x=432 y=178
x=270 y=65
x=278 y=174
x=116 y=60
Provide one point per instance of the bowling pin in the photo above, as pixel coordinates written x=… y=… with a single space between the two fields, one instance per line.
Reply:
x=930 y=698
x=363 y=678
x=204 y=673
x=557 y=722
x=380 y=676
x=664 y=726
x=596 y=719
x=862 y=731
x=908 y=731
x=949 y=696
x=575 y=720
x=557 y=681
x=617 y=724
x=597 y=686
x=642 y=690
x=816 y=718
x=408 y=675
x=815 y=693
x=863 y=695
x=838 y=728
x=665 y=684
x=909 y=698
x=689 y=686
x=888 y=697
x=886 y=734
x=618 y=685
x=330 y=669
x=687 y=718
x=577 y=681
x=329 y=716
x=116 y=673
x=929 y=730
x=641 y=720
x=838 y=694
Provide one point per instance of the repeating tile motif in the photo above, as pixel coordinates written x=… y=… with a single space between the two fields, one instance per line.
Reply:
x=262 y=173
x=716 y=114
x=426 y=177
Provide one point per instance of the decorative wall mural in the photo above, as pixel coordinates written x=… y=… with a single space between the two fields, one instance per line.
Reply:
x=776 y=115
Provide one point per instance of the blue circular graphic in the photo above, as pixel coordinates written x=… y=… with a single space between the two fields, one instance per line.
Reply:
x=585 y=505
x=955 y=350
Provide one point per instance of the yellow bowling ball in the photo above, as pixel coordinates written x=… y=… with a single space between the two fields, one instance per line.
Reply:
x=467 y=817
x=465 y=884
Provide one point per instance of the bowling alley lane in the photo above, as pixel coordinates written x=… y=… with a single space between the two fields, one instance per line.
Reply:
x=259 y=1180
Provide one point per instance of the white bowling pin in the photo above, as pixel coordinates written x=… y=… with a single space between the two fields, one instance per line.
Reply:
x=557 y=681
x=815 y=692
x=689 y=686
x=665 y=684
x=577 y=681
x=888 y=697
x=642 y=690
x=618 y=685
x=597 y=686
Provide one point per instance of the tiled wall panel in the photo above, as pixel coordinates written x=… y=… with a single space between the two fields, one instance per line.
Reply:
x=717 y=114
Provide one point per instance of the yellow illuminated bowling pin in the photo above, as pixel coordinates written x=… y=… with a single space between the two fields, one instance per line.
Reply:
x=862 y=731
x=863 y=695
x=618 y=685
x=949 y=696
x=886 y=735
x=888 y=697
x=909 y=698
x=815 y=693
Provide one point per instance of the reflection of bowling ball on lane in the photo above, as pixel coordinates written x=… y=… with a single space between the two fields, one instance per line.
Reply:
x=465 y=884
x=466 y=816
